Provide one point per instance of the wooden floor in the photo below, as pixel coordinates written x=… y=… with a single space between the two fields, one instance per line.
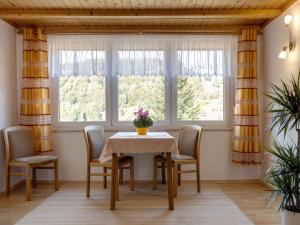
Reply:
x=248 y=197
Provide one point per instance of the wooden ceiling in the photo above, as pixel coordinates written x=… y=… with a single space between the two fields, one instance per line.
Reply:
x=127 y=16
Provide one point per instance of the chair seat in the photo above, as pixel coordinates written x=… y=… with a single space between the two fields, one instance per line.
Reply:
x=124 y=159
x=36 y=159
x=182 y=157
x=162 y=158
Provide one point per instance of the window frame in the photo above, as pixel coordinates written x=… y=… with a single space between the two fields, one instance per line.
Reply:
x=111 y=100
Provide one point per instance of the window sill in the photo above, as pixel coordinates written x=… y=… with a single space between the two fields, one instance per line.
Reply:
x=63 y=129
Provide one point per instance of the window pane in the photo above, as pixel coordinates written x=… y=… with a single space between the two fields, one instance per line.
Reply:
x=82 y=98
x=147 y=92
x=200 y=98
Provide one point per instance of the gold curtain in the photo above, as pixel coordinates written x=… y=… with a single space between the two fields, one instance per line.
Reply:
x=35 y=96
x=246 y=146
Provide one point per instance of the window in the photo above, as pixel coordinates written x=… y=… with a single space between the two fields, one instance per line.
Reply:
x=141 y=91
x=105 y=79
x=200 y=85
x=81 y=85
x=81 y=98
x=200 y=98
x=141 y=83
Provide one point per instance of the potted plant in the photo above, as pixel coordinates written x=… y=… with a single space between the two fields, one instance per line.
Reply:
x=142 y=121
x=283 y=176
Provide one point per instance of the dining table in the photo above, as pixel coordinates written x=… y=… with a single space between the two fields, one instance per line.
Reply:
x=132 y=143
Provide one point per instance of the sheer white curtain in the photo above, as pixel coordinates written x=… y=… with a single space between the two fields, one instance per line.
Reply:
x=204 y=55
x=77 y=55
x=142 y=55
x=139 y=55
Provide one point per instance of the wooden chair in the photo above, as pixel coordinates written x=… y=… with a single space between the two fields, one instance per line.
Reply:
x=189 y=147
x=20 y=153
x=95 y=142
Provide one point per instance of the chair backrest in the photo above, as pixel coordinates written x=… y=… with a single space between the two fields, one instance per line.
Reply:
x=189 y=140
x=95 y=141
x=18 y=142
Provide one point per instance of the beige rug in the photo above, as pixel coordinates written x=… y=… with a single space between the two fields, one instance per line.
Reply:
x=144 y=207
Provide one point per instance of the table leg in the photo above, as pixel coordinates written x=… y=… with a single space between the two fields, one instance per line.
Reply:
x=113 y=191
x=170 y=182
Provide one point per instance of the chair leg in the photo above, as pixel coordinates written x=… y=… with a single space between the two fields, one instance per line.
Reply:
x=117 y=186
x=34 y=177
x=179 y=175
x=170 y=181
x=175 y=176
x=88 y=181
x=163 y=173
x=132 y=175
x=28 y=183
x=105 y=178
x=8 y=180
x=154 y=178
x=121 y=180
x=114 y=172
x=198 y=178
x=56 y=185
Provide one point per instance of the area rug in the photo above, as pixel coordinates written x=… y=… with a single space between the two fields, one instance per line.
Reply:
x=69 y=206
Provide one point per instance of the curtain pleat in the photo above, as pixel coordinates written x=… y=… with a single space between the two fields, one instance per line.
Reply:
x=35 y=97
x=246 y=146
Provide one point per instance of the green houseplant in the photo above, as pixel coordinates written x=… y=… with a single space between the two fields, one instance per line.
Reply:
x=283 y=176
x=142 y=121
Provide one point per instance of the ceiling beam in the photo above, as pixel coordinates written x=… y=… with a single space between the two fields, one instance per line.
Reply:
x=96 y=29
x=287 y=4
x=146 y=14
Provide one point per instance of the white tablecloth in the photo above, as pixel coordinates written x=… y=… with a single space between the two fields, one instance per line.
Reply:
x=131 y=142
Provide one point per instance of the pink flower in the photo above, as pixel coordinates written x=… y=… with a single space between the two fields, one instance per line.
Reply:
x=141 y=114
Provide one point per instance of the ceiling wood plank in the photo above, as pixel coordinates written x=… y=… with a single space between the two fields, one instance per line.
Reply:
x=288 y=4
x=146 y=14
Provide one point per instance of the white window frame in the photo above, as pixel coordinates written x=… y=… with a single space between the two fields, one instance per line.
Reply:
x=171 y=121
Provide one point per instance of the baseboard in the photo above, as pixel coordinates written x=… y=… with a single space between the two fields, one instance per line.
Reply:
x=14 y=187
x=237 y=181
x=50 y=182
x=150 y=181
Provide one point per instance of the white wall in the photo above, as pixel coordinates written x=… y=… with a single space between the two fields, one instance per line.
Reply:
x=8 y=88
x=215 y=158
x=275 y=36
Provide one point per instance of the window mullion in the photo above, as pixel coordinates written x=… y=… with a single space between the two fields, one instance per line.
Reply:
x=109 y=91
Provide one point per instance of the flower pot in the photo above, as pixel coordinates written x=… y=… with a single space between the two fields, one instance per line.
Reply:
x=289 y=218
x=142 y=130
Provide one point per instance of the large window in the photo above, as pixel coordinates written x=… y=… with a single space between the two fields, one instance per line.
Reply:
x=105 y=80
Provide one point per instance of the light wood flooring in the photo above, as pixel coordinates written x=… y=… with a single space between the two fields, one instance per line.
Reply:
x=249 y=197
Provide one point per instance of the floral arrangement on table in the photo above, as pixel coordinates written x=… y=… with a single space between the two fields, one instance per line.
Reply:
x=142 y=121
